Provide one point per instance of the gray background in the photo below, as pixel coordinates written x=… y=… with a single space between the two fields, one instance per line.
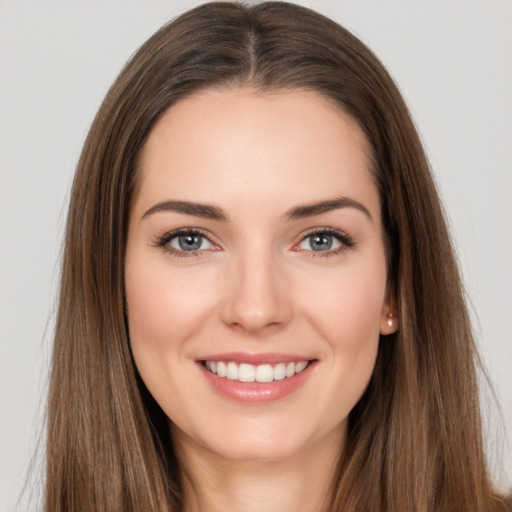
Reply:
x=453 y=62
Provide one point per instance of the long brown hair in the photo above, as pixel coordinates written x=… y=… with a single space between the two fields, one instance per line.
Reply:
x=415 y=441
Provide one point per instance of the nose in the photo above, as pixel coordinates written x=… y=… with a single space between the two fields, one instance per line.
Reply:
x=257 y=300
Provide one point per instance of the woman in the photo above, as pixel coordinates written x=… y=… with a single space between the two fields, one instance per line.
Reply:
x=260 y=307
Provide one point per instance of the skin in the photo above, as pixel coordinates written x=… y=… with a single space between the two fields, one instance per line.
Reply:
x=256 y=285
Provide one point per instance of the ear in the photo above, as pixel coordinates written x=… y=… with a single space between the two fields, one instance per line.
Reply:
x=389 y=318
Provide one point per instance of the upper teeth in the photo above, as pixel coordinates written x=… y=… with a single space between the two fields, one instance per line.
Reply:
x=249 y=373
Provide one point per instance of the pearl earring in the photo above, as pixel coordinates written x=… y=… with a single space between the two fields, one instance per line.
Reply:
x=390 y=319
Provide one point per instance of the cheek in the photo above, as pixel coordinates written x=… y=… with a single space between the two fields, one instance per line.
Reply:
x=163 y=306
x=165 y=309
x=346 y=313
x=347 y=305
x=348 y=319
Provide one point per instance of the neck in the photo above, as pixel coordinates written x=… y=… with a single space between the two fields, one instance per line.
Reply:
x=299 y=483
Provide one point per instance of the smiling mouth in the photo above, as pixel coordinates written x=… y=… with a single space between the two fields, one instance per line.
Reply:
x=262 y=373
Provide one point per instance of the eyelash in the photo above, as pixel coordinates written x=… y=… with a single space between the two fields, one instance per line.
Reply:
x=163 y=242
x=346 y=241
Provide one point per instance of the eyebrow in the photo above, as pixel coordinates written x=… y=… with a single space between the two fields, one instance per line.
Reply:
x=216 y=213
x=189 y=208
x=312 y=209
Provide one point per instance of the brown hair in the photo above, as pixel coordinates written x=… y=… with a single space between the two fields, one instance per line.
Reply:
x=415 y=441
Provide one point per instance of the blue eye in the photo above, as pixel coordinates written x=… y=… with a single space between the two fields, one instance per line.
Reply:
x=328 y=241
x=320 y=242
x=189 y=242
x=185 y=242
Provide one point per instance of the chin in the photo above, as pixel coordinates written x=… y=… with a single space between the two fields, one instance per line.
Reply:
x=261 y=451
x=262 y=440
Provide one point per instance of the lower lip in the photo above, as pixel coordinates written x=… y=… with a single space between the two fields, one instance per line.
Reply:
x=257 y=392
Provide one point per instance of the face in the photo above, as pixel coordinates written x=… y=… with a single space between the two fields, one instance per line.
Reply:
x=256 y=272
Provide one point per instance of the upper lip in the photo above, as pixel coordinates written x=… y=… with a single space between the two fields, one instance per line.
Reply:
x=255 y=358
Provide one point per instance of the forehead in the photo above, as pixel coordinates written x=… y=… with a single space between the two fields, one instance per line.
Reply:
x=229 y=143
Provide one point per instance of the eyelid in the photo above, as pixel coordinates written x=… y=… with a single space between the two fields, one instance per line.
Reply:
x=345 y=240
x=163 y=240
x=175 y=242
